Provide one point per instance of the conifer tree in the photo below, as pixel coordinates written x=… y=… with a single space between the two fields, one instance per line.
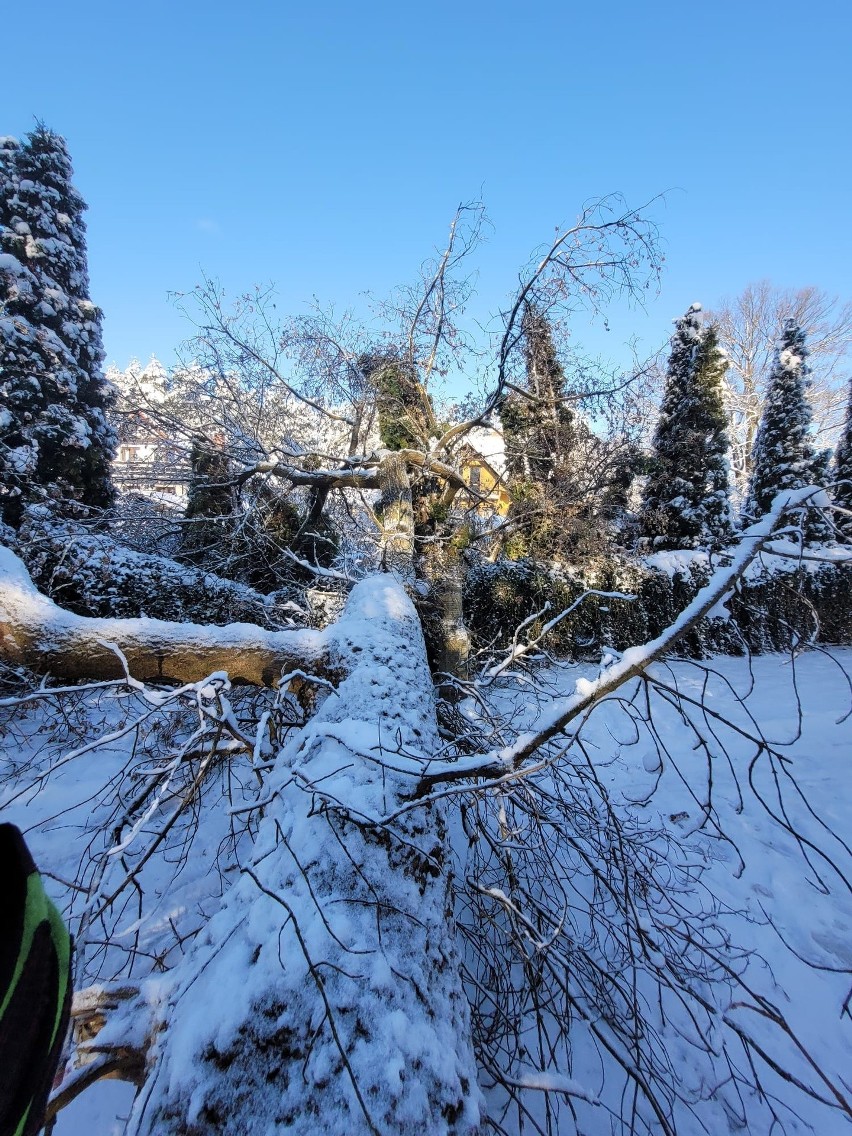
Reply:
x=569 y=486
x=783 y=456
x=539 y=430
x=842 y=474
x=54 y=437
x=686 y=501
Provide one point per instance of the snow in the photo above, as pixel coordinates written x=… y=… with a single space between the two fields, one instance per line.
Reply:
x=9 y=263
x=226 y=944
x=785 y=914
x=489 y=443
x=23 y=460
x=677 y=562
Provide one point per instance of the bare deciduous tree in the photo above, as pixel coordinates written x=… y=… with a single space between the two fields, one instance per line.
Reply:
x=749 y=326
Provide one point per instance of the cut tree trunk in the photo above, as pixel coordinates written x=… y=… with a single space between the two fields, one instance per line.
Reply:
x=36 y=634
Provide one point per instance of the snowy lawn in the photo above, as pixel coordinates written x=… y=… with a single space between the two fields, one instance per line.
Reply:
x=763 y=829
x=766 y=831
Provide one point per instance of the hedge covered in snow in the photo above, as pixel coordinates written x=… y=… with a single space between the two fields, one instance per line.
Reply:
x=781 y=601
x=89 y=574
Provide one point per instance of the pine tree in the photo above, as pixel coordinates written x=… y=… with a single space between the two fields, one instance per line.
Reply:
x=842 y=474
x=783 y=456
x=54 y=437
x=686 y=501
x=539 y=430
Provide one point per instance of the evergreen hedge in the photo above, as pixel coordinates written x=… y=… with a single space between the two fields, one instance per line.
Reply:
x=775 y=606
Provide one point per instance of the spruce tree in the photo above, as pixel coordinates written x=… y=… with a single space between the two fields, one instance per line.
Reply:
x=686 y=501
x=783 y=456
x=842 y=475
x=54 y=437
x=539 y=430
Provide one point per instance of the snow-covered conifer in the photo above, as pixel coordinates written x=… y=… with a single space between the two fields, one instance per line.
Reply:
x=54 y=436
x=686 y=501
x=783 y=455
x=842 y=474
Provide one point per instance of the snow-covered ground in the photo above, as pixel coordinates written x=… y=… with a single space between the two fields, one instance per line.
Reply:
x=767 y=828
x=758 y=812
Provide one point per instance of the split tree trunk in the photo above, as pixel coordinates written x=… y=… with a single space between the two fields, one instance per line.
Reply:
x=397 y=517
x=443 y=611
x=325 y=996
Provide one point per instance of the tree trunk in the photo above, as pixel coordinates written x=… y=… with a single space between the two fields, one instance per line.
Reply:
x=443 y=610
x=397 y=517
x=37 y=634
x=325 y=996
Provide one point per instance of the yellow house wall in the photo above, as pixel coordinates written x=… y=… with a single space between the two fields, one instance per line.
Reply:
x=490 y=486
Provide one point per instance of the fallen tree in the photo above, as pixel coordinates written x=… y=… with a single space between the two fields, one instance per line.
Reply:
x=327 y=992
x=37 y=634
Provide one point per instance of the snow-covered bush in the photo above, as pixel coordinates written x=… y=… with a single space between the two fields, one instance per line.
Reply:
x=782 y=600
x=89 y=573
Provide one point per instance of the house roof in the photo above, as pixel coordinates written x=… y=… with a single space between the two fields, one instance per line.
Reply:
x=487 y=441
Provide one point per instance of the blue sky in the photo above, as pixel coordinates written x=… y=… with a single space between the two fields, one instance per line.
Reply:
x=325 y=146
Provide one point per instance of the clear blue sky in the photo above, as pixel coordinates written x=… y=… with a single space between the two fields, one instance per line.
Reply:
x=324 y=146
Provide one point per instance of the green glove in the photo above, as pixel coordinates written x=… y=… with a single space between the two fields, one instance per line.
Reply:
x=35 y=988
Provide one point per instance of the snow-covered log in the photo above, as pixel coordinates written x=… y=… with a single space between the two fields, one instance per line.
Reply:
x=36 y=633
x=325 y=995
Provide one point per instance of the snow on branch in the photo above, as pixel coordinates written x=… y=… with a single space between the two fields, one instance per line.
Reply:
x=561 y=712
x=36 y=633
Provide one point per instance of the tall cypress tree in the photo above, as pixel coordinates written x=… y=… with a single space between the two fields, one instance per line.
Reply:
x=783 y=456
x=539 y=430
x=568 y=486
x=687 y=497
x=54 y=437
x=842 y=474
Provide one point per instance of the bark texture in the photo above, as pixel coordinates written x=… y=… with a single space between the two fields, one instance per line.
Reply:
x=36 y=633
x=442 y=611
x=397 y=517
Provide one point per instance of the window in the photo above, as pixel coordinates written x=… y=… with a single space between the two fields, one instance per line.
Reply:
x=475 y=477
